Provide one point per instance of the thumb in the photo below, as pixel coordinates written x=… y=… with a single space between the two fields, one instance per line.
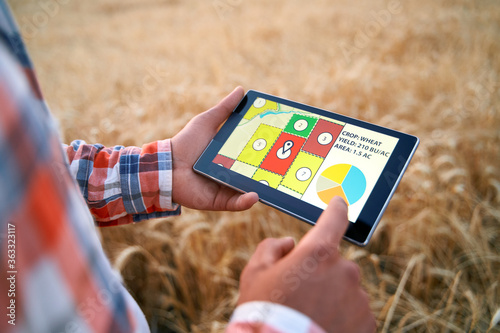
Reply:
x=241 y=201
x=215 y=116
x=271 y=250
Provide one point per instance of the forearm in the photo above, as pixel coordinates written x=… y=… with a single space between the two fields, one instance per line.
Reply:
x=124 y=184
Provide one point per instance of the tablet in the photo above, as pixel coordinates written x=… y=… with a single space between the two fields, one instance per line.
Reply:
x=298 y=157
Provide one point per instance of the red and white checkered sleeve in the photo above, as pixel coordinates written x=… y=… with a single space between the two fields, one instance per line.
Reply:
x=124 y=184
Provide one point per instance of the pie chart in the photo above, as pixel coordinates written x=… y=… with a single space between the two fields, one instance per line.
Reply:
x=344 y=180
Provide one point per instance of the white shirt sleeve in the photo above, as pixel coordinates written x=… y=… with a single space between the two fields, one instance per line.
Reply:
x=272 y=315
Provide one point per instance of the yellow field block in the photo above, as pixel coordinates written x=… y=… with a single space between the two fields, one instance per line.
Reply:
x=259 y=145
x=302 y=171
x=253 y=111
x=272 y=179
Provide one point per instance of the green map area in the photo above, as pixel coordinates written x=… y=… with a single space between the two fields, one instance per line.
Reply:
x=269 y=113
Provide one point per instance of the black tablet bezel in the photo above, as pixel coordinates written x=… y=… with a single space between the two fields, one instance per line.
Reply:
x=358 y=233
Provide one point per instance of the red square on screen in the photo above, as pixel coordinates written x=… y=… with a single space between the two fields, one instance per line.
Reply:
x=224 y=161
x=282 y=154
x=322 y=138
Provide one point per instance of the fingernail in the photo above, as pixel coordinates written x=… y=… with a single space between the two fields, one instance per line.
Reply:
x=340 y=199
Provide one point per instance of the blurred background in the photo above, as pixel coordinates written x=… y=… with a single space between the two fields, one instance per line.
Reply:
x=130 y=72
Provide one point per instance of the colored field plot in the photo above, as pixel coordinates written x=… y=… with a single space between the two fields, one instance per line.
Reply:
x=243 y=168
x=268 y=178
x=343 y=180
x=260 y=105
x=283 y=153
x=302 y=171
x=224 y=161
x=322 y=138
x=301 y=125
x=259 y=145
x=289 y=191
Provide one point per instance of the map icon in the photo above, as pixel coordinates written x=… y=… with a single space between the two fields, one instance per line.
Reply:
x=343 y=180
x=285 y=152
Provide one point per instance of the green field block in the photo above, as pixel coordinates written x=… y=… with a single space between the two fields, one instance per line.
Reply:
x=301 y=125
x=272 y=179
x=301 y=172
x=259 y=145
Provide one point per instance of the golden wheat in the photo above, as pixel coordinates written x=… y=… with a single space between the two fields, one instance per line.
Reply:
x=128 y=72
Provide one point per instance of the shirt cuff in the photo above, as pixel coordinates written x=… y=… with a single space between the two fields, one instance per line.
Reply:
x=273 y=316
x=146 y=178
x=165 y=174
x=146 y=182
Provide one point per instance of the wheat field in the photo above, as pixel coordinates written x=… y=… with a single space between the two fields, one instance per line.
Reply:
x=129 y=72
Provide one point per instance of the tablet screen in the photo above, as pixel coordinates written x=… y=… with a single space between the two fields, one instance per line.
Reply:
x=306 y=155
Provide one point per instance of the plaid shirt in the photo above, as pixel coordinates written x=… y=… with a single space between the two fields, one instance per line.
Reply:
x=54 y=274
x=123 y=185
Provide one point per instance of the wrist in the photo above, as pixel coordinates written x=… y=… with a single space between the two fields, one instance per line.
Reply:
x=165 y=176
x=279 y=317
x=175 y=166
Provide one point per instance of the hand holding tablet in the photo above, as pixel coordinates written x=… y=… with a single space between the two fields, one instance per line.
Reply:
x=190 y=189
x=297 y=158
